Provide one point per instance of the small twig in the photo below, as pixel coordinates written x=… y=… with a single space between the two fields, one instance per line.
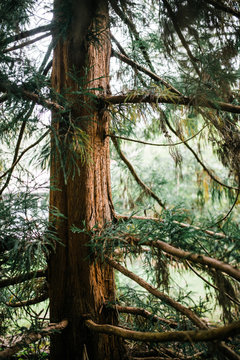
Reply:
x=212 y=285
x=145 y=188
x=155 y=144
x=219 y=5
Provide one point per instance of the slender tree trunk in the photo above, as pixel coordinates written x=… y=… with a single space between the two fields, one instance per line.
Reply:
x=79 y=284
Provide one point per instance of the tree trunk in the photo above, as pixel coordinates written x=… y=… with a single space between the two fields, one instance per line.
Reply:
x=78 y=284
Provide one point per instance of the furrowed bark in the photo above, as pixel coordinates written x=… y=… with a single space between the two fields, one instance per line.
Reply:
x=79 y=284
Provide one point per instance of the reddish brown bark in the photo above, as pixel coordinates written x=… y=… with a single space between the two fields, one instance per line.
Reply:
x=79 y=284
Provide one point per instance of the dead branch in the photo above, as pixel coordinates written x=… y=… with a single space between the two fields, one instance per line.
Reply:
x=21 y=278
x=144 y=313
x=148 y=98
x=31 y=338
x=145 y=188
x=219 y=333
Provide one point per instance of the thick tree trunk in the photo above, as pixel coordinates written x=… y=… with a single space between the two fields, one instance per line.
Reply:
x=79 y=284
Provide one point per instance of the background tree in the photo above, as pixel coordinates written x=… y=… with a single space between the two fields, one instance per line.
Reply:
x=177 y=62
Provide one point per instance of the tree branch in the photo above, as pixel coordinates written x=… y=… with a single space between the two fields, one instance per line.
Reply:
x=154 y=144
x=212 y=285
x=21 y=155
x=148 y=98
x=184 y=225
x=177 y=306
x=29 y=302
x=133 y=29
x=211 y=175
x=181 y=37
x=21 y=278
x=16 y=47
x=145 y=188
x=219 y=5
x=219 y=333
x=28 y=33
x=144 y=313
x=31 y=338
x=195 y=258
x=151 y=74
x=20 y=92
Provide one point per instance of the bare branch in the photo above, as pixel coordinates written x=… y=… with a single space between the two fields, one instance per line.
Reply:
x=33 y=301
x=24 y=277
x=144 y=313
x=145 y=188
x=151 y=74
x=16 y=47
x=31 y=338
x=28 y=33
x=219 y=333
x=148 y=98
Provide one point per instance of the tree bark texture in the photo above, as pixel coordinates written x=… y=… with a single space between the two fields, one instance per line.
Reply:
x=78 y=283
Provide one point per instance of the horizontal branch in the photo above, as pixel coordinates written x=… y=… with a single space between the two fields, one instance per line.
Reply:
x=31 y=338
x=184 y=225
x=9 y=88
x=195 y=258
x=149 y=98
x=21 y=278
x=29 y=302
x=219 y=333
x=28 y=33
x=156 y=144
x=144 y=313
x=26 y=43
